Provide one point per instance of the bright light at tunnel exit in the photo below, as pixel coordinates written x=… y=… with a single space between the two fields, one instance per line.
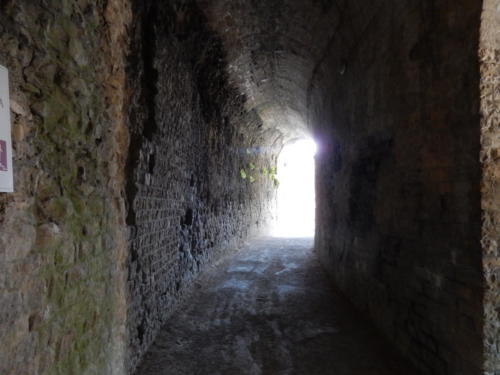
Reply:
x=296 y=201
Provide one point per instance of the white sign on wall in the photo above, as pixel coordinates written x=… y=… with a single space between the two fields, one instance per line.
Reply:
x=6 y=177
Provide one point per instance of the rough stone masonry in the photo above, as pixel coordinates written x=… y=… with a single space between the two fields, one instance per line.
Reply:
x=190 y=138
x=62 y=269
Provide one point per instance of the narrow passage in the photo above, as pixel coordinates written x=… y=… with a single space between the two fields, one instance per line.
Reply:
x=269 y=309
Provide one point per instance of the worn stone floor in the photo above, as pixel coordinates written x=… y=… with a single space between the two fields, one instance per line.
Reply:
x=269 y=309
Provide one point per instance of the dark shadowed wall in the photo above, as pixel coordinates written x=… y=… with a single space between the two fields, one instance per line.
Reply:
x=190 y=138
x=489 y=54
x=399 y=219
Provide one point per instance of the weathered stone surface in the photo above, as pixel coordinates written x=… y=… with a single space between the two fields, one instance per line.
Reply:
x=395 y=108
x=190 y=137
x=61 y=282
x=269 y=309
x=490 y=187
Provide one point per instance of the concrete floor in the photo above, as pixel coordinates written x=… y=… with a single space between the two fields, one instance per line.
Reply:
x=268 y=309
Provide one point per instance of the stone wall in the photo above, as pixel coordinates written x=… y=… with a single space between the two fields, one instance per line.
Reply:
x=490 y=189
x=395 y=108
x=62 y=270
x=128 y=182
x=190 y=138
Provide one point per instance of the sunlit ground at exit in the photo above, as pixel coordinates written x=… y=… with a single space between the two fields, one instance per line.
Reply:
x=296 y=198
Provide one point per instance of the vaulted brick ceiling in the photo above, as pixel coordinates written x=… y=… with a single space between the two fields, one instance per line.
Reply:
x=273 y=49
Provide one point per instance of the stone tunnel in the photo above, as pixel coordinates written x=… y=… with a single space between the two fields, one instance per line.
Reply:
x=131 y=124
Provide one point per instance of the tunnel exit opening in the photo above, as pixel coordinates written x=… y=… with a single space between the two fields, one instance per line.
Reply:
x=296 y=201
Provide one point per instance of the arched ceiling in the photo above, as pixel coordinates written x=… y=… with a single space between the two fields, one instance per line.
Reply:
x=273 y=48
